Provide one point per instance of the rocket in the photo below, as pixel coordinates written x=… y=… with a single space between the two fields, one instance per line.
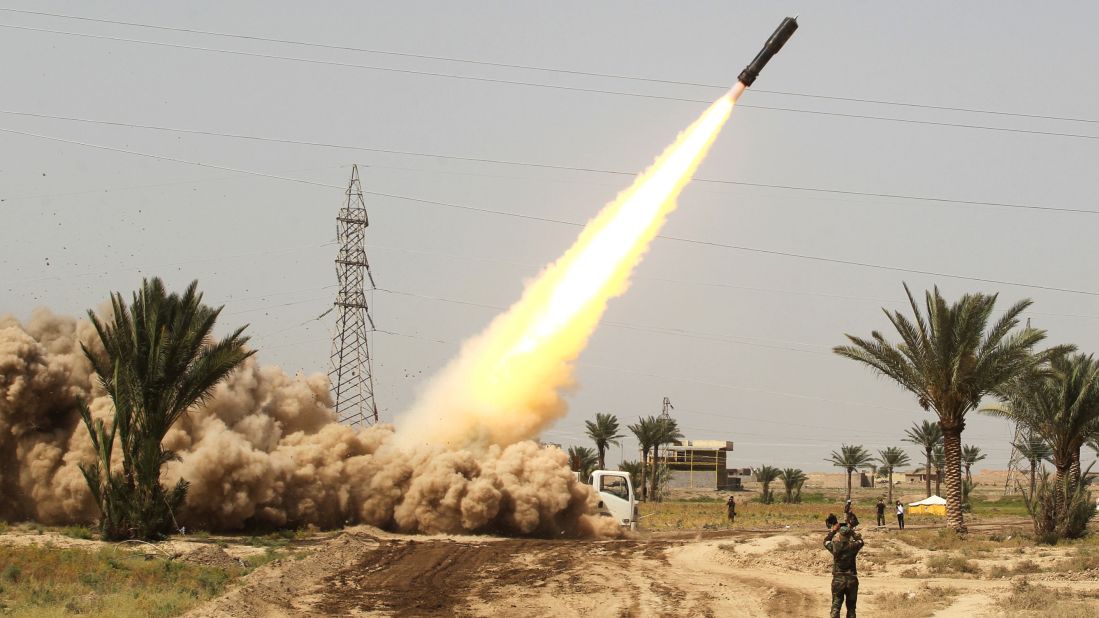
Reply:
x=770 y=48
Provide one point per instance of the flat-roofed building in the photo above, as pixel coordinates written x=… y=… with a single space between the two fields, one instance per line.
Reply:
x=698 y=464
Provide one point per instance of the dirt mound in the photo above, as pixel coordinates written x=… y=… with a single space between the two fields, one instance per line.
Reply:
x=211 y=556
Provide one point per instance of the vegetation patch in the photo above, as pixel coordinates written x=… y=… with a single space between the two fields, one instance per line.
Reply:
x=1023 y=567
x=1083 y=558
x=940 y=565
x=923 y=601
x=76 y=532
x=1027 y=599
x=48 y=581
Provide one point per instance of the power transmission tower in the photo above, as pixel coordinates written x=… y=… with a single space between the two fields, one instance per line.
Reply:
x=351 y=376
x=667 y=405
x=1011 y=483
x=1014 y=464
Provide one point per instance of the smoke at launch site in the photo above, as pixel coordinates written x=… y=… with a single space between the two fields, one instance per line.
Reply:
x=267 y=450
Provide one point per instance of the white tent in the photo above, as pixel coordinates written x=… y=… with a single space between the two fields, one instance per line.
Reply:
x=930 y=500
x=933 y=505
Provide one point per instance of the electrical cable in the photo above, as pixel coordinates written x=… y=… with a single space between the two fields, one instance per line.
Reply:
x=563 y=222
x=1082 y=211
x=527 y=67
x=541 y=85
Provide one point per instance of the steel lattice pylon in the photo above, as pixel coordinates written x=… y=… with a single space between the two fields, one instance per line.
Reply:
x=351 y=375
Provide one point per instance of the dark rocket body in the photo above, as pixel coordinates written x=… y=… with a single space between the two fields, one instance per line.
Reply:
x=770 y=48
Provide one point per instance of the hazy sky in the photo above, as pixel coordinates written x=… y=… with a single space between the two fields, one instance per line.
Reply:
x=739 y=340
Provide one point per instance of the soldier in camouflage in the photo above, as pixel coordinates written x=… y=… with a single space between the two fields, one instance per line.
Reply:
x=844 y=544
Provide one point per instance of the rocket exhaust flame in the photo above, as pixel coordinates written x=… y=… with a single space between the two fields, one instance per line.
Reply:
x=506 y=383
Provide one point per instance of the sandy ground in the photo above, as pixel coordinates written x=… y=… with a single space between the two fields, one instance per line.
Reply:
x=366 y=572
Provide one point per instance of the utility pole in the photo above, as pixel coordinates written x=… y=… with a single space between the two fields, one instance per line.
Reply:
x=351 y=375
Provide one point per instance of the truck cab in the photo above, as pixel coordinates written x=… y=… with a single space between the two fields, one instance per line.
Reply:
x=616 y=497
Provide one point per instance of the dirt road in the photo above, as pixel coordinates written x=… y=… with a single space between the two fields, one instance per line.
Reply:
x=365 y=572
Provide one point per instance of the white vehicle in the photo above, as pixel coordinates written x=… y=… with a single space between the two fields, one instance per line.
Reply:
x=616 y=498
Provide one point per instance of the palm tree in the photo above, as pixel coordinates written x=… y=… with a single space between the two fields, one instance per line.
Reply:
x=1059 y=403
x=950 y=359
x=635 y=470
x=604 y=432
x=892 y=458
x=850 y=458
x=651 y=432
x=971 y=454
x=792 y=480
x=765 y=475
x=645 y=432
x=1035 y=450
x=160 y=360
x=666 y=431
x=928 y=434
x=582 y=459
x=938 y=457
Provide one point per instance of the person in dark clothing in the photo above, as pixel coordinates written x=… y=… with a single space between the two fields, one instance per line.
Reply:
x=881 y=511
x=844 y=544
x=730 y=506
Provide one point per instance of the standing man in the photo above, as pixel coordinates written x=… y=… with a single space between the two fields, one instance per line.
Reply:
x=900 y=515
x=844 y=544
x=849 y=516
x=881 y=511
x=730 y=506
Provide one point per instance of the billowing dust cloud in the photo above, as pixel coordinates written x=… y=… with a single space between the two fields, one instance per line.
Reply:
x=267 y=451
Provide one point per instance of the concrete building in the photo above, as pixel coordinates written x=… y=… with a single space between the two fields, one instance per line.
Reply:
x=699 y=464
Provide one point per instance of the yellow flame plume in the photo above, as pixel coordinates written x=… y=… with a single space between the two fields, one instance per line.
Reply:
x=506 y=383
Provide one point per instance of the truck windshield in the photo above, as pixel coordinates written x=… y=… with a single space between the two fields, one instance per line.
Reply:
x=614 y=485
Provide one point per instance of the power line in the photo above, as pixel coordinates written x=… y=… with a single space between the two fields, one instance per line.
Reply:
x=777 y=344
x=573 y=223
x=528 y=67
x=541 y=85
x=167 y=158
x=278 y=140
x=789 y=254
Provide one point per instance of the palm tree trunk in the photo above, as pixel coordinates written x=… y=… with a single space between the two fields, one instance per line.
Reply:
x=644 y=470
x=849 y=483
x=890 y=486
x=1033 y=473
x=652 y=477
x=952 y=449
x=927 y=471
x=1063 y=470
x=938 y=482
x=602 y=462
x=1074 y=468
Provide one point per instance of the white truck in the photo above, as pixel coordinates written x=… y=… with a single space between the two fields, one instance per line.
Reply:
x=616 y=497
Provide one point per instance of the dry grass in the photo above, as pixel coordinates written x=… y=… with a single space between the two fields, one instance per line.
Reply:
x=951 y=564
x=1083 y=558
x=944 y=539
x=1023 y=567
x=49 y=581
x=710 y=515
x=924 y=601
x=1027 y=599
